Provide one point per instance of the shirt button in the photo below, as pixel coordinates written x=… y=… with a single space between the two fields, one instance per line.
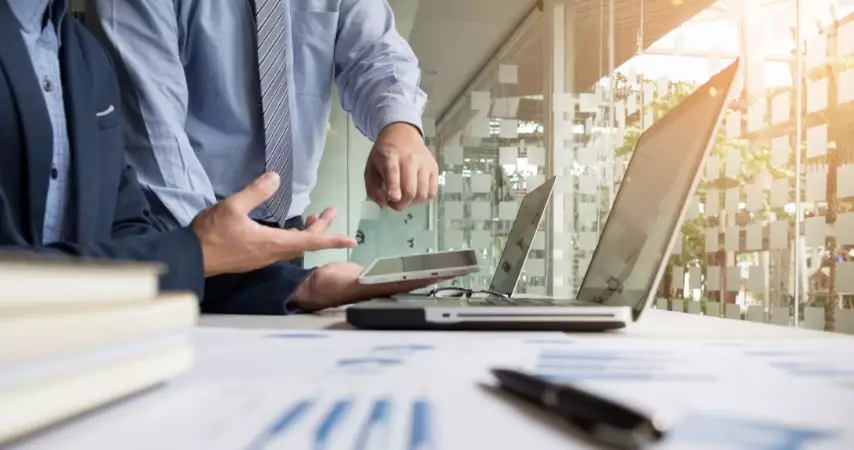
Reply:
x=54 y=173
x=47 y=84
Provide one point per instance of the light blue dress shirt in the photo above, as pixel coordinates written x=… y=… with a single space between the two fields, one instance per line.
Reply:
x=189 y=76
x=41 y=22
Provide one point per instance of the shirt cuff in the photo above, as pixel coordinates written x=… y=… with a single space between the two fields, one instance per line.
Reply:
x=397 y=113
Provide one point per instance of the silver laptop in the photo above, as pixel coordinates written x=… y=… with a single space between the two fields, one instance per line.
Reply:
x=516 y=248
x=633 y=249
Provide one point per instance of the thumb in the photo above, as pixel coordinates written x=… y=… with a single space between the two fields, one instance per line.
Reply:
x=255 y=193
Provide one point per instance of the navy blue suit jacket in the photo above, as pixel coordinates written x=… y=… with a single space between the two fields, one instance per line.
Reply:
x=109 y=216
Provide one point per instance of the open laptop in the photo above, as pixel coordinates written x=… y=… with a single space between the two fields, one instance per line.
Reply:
x=632 y=251
x=516 y=248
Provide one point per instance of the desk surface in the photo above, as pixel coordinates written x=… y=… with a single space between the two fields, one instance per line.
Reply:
x=654 y=323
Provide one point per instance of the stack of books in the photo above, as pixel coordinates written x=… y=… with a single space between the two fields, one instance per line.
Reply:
x=76 y=335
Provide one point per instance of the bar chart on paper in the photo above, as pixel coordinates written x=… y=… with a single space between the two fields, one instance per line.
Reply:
x=574 y=364
x=355 y=423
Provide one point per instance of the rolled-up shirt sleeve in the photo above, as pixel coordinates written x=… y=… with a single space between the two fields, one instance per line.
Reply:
x=376 y=70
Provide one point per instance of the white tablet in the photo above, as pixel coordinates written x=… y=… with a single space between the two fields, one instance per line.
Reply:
x=420 y=267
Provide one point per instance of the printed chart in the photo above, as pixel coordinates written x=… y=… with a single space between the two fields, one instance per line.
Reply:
x=385 y=423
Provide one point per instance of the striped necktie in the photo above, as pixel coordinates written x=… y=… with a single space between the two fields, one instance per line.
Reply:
x=273 y=40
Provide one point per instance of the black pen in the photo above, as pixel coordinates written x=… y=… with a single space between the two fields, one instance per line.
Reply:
x=603 y=420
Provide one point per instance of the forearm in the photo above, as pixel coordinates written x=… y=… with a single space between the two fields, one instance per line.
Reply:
x=266 y=291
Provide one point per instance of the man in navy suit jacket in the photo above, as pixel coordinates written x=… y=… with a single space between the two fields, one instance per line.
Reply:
x=65 y=185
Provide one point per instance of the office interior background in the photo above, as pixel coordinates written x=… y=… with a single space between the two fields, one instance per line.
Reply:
x=522 y=90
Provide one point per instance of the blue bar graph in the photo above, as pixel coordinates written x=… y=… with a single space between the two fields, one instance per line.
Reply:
x=324 y=431
x=420 y=432
x=568 y=377
x=574 y=365
x=374 y=433
x=327 y=428
x=288 y=418
x=297 y=336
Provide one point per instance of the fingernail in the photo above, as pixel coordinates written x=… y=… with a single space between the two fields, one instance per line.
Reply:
x=270 y=177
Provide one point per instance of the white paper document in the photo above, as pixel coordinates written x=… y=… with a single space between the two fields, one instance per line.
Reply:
x=270 y=389
x=536 y=156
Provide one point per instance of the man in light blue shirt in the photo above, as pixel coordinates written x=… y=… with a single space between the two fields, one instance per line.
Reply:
x=40 y=27
x=190 y=74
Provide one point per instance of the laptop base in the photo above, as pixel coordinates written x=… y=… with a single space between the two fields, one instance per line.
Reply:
x=391 y=315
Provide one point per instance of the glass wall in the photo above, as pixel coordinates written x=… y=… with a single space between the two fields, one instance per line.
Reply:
x=770 y=229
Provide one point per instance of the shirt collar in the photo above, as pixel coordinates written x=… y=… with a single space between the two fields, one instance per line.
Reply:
x=31 y=13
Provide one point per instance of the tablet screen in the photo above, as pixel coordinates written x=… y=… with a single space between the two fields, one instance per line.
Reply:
x=417 y=263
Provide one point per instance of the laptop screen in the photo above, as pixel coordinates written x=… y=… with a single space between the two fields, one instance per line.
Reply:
x=520 y=239
x=650 y=201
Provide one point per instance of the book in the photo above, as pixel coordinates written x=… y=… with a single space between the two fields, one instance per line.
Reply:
x=42 y=332
x=31 y=280
x=32 y=406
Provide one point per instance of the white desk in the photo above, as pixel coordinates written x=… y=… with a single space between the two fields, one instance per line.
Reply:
x=654 y=323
